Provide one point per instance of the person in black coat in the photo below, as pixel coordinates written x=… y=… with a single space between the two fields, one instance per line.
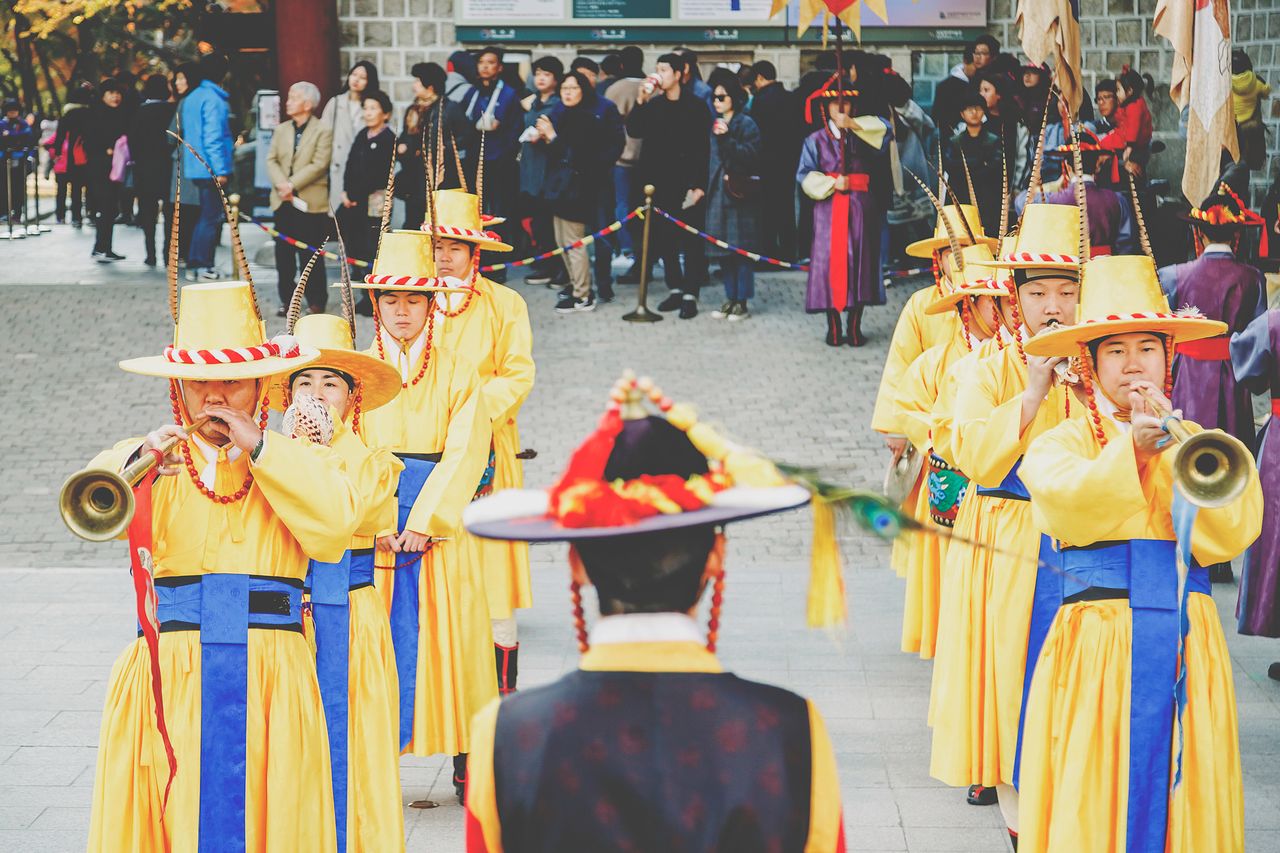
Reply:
x=106 y=125
x=364 y=180
x=577 y=160
x=71 y=131
x=675 y=127
x=152 y=156
x=773 y=109
x=421 y=134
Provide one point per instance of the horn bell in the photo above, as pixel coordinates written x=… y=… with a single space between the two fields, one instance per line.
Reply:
x=96 y=504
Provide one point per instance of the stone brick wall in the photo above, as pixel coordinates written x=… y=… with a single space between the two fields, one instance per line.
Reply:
x=395 y=34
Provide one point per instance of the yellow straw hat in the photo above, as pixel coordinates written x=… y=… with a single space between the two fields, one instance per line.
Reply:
x=1120 y=294
x=458 y=218
x=925 y=248
x=977 y=278
x=219 y=336
x=405 y=261
x=1048 y=238
x=331 y=336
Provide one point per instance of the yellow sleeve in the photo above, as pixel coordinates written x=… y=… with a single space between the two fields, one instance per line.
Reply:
x=375 y=474
x=114 y=458
x=826 y=821
x=818 y=185
x=986 y=441
x=505 y=392
x=915 y=396
x=437 y=512
x=905 y=346
x=1078 y=498
x=309 y=489
x=484 y=831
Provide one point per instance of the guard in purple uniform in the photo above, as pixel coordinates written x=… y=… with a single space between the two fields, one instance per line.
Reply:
x=1255 y=356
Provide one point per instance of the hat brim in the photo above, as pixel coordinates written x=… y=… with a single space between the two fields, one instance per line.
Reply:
x=1068 y=263
x=380 y=381
x=943 y=304
x=520 y=515
x=1185 y=216
x=925 y=248
x=158 y=365
x=480 y=239
x=1066 y=341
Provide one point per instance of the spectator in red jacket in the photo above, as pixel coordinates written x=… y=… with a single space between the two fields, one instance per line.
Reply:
x=1132 y=119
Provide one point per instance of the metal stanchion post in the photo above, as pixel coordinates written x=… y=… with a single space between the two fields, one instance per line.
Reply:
x=36 y=228
x=642 y=314
x=8 y=199
x=237 y=274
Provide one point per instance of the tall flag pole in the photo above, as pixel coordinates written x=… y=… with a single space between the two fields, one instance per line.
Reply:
x=1200 y=33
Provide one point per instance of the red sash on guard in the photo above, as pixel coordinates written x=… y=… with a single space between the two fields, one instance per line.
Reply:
x=839 y=269
x=1207 y=349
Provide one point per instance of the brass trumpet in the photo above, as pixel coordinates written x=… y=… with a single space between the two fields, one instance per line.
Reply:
x=97 y=504
x=1211 y=468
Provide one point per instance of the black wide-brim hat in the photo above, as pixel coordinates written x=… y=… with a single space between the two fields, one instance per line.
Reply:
x=645 y=447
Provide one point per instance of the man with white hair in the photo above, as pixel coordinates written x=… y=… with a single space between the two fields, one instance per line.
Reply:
x=298 y=165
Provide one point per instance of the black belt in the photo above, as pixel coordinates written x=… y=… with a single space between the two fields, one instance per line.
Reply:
x=260 y=601
x=1002 y=494
x=421 y=457
x=1097 y=593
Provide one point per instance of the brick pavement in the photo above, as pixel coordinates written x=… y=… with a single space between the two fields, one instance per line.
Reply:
x=65 y=608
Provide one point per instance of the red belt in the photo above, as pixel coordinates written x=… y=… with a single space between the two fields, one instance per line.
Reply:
x=1275 y=406
x=1207 y=349
x=858 y=182
x=1095 y=251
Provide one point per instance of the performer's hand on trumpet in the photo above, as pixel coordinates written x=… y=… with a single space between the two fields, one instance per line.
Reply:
x=238 y=426
x=156 y=439
x=1149 y=435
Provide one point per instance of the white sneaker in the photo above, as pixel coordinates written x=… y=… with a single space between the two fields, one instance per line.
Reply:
x=740 y=312
x=723 y=311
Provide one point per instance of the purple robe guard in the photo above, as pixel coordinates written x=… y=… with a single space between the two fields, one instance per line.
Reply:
x=1103 y=208
x=1255 y=354
x=866 y=215
x=1204 y=384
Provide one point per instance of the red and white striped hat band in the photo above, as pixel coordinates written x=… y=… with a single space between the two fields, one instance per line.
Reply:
x=1039 y=258
x=405 y=281
x=452 y=231
x=281 y=346
x=1143 y=315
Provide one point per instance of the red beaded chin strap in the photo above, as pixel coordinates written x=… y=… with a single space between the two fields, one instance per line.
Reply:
x=355 y=405
x=1086 y=377
x=964 y=319
x=1017 y=318
x=937 y=272
x=186 y=452
x=579 y=618
x=997 y=324
x=426 y=351
x=1168 y=367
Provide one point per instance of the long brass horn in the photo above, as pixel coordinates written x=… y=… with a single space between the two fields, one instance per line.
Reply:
x=1210 y=468
x=97 y=504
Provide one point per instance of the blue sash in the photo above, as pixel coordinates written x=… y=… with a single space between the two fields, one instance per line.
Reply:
x=404 y=597
x=1147 y=569
x=330 y=585
x=1010 y=487
x=223 y=607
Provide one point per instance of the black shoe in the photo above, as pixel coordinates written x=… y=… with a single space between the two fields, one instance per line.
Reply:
x=100 y=257
x=672 y=302
x=564 y=304
x=980 y=796
x=835 y=334
x=282 y=311
x=1273 y=671
x=605 y=298
x=585 y=304
x=537 y=278
x=78 y=223
x=688 y=308
x=1013 y=839
x=854 y=336
x=112 y=256
x=1221 y=573
x=558 y=279
x=149 y=260
x=508 y=660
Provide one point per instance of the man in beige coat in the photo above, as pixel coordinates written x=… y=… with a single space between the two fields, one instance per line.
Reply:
x=298 y=165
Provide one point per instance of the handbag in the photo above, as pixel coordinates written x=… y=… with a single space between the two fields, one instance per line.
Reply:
x=742 y=187
x=563 y=187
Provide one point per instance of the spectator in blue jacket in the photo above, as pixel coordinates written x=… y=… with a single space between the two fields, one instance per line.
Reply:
x=494 y=108
x=205 y=116
x=543 y=101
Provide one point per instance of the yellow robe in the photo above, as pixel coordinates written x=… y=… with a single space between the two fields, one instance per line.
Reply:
x=976 y=695
x=494 y=331
x=375 y=818
x=301 y=502
x=484 y=826
x=1074 y=774
x=443 y=413
x=914 y=333
x=914 y=400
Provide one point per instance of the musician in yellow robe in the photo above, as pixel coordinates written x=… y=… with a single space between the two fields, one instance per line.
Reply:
x=439 y=427
x=977 y=691
x=1130 y=739
x=490 y=325
x=355 y=658
x=233 y=516
x=915 y=332
x=972 y=300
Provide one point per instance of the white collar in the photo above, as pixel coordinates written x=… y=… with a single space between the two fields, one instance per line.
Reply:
x=646 y=628
x=1222 y=248
x=209 y=476
x=835 y=131
x=396 y=355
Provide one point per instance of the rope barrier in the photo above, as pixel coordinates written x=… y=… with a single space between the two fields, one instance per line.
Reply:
x=612 y=228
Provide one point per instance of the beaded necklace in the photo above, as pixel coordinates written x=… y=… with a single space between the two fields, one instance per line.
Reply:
x=191 y=468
